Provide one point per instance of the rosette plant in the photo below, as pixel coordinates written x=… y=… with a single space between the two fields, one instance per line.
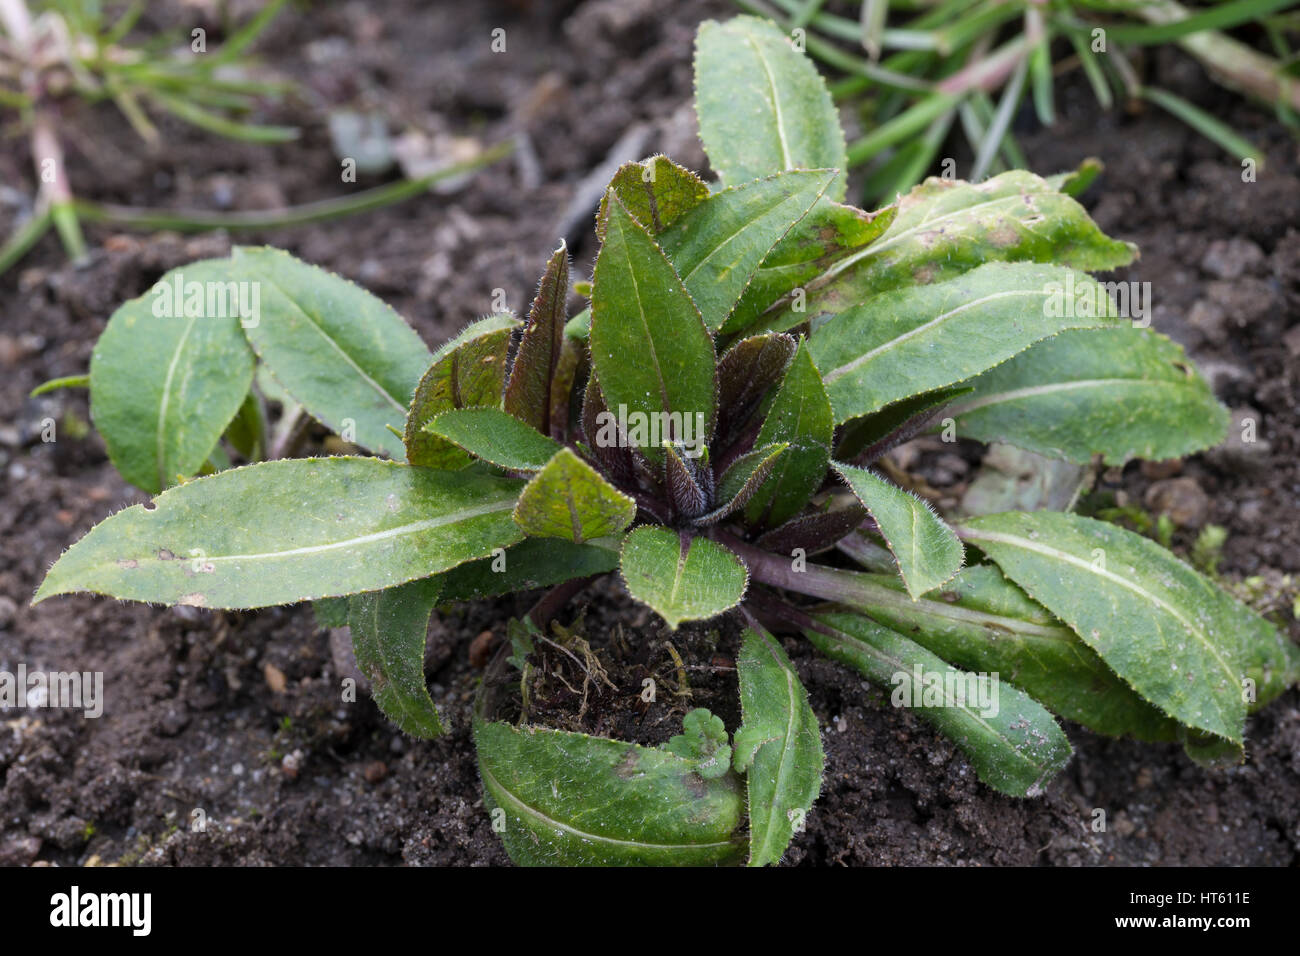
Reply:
x=710 y=430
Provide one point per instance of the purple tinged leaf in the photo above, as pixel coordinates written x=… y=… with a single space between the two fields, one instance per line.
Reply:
x=468 y=371
x=814 y=532
x=529 y=394
x=865 y=440
x=614 y=457
x=745 y=373
x=690 y=487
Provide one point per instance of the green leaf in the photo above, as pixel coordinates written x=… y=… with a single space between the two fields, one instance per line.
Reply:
x=1161 y=626
x=923 y=338
x=681 y=578
x=800 y=416
x=495 y=437
x=980 y=621
x=330 y=612
x=947 y=227
x=569 y=499
x=344 y=355
x=1012 y=741
x=704 y=742
x=820 y=239
x=1268 y=655
x=531 y=395
x=782 y=747
x=1121 y=393
x=168 y=374
x=574 y=800
x=743 y=478
x=650 y=349
x=762 y=107
x=247 y=430
x=388 y=633
x=470 y=370
x=927 y=550
x=657 y=192
x=290 y=530
x=718 y=245
x=532 y=563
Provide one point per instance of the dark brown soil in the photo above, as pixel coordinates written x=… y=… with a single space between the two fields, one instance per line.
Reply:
x=237 y=718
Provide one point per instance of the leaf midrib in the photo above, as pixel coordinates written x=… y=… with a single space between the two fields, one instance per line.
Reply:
x=338 y=348
x=898 y=665
x=895 y=342
x=1031 y=391
x=776 y=102
x=412 y=527
x=787 y=745
x=165 y=401
x=1016 y=541
x=547 y=821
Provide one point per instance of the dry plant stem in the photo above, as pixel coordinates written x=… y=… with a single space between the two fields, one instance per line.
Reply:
x=47 y=151
x=1235 y=64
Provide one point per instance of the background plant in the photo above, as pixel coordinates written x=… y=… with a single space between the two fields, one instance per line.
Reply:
x=55 y=52
x=915 y=71
x=810 y=338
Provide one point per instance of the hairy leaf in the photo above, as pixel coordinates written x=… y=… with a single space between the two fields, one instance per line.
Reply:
x=169 y=373
x=679 y=577
x=574 y=800
x=496 y=437
x=569 y=499
x=1014 y=744
x=657 y=192
x=650 y=349
x=468 y=371
x=800 y=416
x=815 y=531
x=763 y=107
x=923 y=338
x=614 y=457
x=947 y=227
x=528 y=395
x=869 y=437
x=290 y=530
x=743 y=478
x=1158 y=624
x=1121 y=393
x=688 y=481
x=778 y=747
x=388 y=632
x=746 y=372
x=345 y=356
x=927 y=550
x=979 y=621
x=820 y=239
x=717 y=246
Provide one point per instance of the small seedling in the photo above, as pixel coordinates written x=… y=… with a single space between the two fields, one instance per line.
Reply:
x=710 y=430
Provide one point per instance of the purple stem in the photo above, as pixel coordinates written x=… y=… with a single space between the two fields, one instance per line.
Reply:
x=553 y=601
